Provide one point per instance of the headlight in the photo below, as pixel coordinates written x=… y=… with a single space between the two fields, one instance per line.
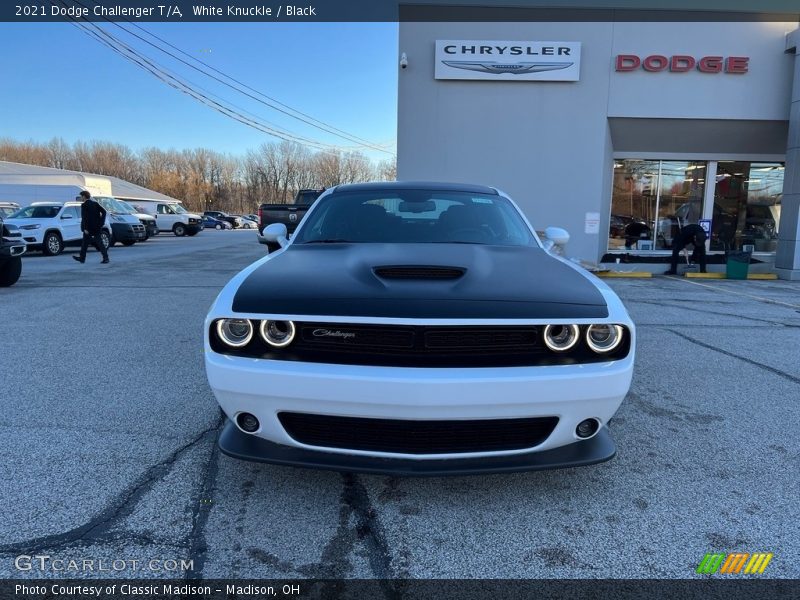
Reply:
x=30 y=227
x=560 y=338
x=603 y=338
x=235 y=332
x=277 y=333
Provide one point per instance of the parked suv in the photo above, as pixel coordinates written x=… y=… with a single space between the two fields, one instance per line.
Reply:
x=12 y=247
x=50 y=226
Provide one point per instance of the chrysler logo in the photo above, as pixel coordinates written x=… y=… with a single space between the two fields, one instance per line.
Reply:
x=345 y=335
x=513 y=68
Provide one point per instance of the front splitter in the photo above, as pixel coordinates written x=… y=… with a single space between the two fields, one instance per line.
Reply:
x=237 y=444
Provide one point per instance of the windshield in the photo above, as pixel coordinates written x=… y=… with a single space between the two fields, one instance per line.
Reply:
x=36 y=212
x=178 y=208
x=127 y=208
x=415 y=216
x=112 y=205
x=6 y=211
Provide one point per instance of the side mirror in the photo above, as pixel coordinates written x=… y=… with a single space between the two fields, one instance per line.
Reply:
x=555 y=240
x=274 y=236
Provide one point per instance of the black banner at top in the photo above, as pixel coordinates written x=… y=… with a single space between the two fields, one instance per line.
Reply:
x=178 y=11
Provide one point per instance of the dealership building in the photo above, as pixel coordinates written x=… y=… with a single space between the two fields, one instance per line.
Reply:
x=615 y=126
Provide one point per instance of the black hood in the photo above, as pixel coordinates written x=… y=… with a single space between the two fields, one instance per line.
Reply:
x=481 y=282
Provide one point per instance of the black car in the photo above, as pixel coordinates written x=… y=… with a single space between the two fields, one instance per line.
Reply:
x=222 y=216
x=12 y=247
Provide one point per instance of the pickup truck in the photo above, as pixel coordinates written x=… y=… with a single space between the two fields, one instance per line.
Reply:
x=12 y=247
x=288 y=214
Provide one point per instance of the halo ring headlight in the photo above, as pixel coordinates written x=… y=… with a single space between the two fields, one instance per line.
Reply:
x=604 y=338
x=278 y=334
x=560 y=338
x=235 y=333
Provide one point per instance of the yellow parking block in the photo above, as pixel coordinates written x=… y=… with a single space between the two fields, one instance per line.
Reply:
x=693 y=275
x=624 y=274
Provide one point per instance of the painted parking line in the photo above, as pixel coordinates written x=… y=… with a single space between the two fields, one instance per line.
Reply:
x=753 y=296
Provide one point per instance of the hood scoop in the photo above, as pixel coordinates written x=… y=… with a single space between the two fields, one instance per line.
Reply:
x=419 y=272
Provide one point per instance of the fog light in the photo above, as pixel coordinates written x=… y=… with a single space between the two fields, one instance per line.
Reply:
x=247 y=422
x=587 y=428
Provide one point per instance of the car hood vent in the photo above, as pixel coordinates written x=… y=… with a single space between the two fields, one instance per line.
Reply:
x=419 y=272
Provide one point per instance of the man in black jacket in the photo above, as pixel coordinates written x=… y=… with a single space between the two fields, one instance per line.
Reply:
x=696 y=236
x=92 y=218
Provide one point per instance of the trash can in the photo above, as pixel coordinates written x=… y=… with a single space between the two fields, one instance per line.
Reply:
x=737 y=265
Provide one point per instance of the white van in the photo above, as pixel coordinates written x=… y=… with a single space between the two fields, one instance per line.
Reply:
x=170 y=216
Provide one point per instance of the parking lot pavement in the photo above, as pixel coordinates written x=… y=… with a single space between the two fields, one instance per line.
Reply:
x=108 y=443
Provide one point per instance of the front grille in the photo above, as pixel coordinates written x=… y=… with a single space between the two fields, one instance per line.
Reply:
x=419 y=272
x=138 y=228
x=420 y=346
x=417 y=437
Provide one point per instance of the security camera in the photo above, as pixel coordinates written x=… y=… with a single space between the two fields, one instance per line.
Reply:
x=403 y=61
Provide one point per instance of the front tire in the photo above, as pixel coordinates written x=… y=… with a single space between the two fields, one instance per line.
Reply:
x=218 y=226
x=52 y=245
x=106 y=240
x=10 y=270
x=179 y=230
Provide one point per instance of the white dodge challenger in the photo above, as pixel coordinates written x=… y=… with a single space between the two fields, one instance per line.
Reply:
x=417 y=328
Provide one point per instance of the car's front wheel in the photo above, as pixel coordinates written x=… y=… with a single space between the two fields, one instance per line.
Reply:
x=52 y=244
x=10 y=270
x=218 y=226
x=106 y=240
x=179 y=230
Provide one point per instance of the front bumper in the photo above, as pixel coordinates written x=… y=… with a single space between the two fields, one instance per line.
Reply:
x=266 y=387
x=240 y=445
x=150 y=228
x=193 y=227
x=12 y=249
x=124 y=232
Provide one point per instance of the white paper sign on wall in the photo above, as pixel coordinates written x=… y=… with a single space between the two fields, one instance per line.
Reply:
x=592 y=222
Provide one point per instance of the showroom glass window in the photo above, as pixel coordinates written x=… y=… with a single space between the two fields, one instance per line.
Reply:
x=651 y=200
x=747 y=206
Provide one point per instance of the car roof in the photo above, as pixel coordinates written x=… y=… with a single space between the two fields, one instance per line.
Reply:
x=47 y=204
x=435 y=186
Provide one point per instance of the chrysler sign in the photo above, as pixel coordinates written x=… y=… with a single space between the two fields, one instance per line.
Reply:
x=508 y=61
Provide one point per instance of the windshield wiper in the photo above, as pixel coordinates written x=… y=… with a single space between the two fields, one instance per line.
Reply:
x=328 y=241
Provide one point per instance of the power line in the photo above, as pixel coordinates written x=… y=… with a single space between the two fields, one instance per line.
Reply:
x=271 y=102
x=143 y=62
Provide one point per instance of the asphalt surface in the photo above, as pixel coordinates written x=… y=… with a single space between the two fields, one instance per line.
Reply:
x=107 y=448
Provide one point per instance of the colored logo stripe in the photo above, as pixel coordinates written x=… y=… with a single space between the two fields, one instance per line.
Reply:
x=734 y=562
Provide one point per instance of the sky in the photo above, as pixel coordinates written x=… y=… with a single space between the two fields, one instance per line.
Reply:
x=56 y=81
